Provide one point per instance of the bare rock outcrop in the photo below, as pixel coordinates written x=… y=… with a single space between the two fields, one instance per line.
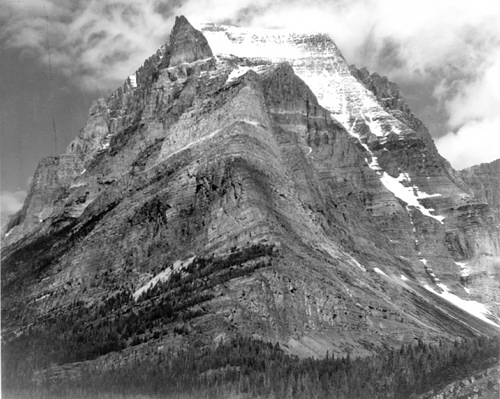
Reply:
x=272 y=196
x=186 y=44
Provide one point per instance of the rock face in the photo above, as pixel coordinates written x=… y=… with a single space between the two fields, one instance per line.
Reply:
x=476 y=242
x=266 y=192
x=186 y=44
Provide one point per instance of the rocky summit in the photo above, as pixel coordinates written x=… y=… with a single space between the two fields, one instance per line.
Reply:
x=249 y=182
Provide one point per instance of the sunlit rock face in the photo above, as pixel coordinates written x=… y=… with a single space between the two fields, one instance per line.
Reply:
x=476 y=242
x=396 y=146
x=293 y=199
x=186 y=44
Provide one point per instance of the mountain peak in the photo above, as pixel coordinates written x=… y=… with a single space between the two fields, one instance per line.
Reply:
x=186 y=44
x=269 y=192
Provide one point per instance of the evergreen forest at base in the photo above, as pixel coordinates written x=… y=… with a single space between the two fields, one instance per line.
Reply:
x=248 y=368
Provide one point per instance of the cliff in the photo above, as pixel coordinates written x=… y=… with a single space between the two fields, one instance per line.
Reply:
x=265 y=192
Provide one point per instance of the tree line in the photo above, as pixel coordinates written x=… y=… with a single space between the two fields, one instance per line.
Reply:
x=247 y=368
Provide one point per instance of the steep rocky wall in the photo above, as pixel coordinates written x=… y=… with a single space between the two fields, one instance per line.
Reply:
x=251 y=206
x=476 y=242
x=50 y=186
x=468 y=198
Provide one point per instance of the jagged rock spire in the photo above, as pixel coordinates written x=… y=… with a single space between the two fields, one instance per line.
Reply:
x=186 y=44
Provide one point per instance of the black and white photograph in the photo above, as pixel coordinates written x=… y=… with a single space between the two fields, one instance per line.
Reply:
x=215 y=199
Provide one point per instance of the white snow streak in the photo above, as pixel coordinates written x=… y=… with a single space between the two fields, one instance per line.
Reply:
x=192 y=143
x=474 y=308
x=377 y=270
x=259 y=43
x=336 y=89
x=241 y=70
x=195 y=142
x=465 y=272
x=162 y=276
x=374 y=126
x=404 y=278
x=42 y=297
x=236 y=73
x=410 y=194
x=133 y=80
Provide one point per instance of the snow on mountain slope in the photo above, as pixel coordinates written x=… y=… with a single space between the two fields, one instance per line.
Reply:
x=416 y=176
x=473 y=307
x=317 y=60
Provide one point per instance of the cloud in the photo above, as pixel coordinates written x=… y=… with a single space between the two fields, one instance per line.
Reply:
x=96 y=43
x=451 y=44
x=474 y=143
x=479 y=98
x=474 y=112
x=10 y=203
x=101 y=41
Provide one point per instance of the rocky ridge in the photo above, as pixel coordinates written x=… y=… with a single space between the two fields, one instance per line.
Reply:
x=264 y=190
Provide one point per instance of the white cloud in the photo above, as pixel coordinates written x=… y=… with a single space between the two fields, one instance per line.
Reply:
x=478 y=99
x=475 y=142
x=474 y=111
x=106 y=39
x=97 y=43
x=10 y=203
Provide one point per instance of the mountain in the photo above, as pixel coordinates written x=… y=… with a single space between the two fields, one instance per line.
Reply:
x=248 y=182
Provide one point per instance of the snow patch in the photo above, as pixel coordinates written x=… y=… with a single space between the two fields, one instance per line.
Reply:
x=409 y=194
x=241 y=70
x=162 y=276
x=463 y=269
x=404 y=278
x=83 y=171
x=192 y=143
x=133 y=80
x=424 y=261
x=258 y=43
x=358 y=264
x=374 y=126
x=255 y=123
x=472 y=307
x=236 y=73
x=42 y=297
x=195 y=142
x=467 y=290
x=377 y=270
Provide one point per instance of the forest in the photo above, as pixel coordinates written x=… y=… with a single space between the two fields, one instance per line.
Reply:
x=248 y=368
x=72 y=342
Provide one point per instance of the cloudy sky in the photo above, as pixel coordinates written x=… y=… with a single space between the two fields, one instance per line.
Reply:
x=57 y=56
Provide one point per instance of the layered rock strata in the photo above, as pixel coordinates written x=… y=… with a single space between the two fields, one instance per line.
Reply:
x=266 y=191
